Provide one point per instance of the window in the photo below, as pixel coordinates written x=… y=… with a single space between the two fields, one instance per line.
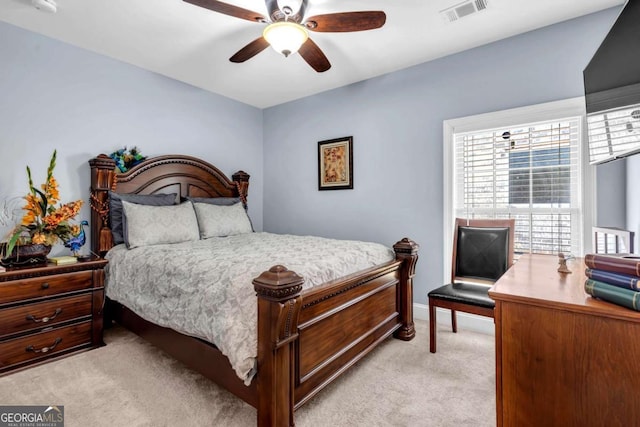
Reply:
x=525 y=164
x=528 y=172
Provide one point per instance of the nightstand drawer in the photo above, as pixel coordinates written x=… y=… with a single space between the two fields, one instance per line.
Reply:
x=40 y=315
x=37 y=287
x=44 y=344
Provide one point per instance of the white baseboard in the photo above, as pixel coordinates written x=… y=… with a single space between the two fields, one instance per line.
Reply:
x=468 y=321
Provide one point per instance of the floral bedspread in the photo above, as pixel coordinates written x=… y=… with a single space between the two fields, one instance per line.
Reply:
x=203 y=288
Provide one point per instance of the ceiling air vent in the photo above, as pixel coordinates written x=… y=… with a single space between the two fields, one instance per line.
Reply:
x=463 y=9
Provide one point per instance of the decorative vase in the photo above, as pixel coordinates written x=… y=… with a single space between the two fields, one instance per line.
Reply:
x=25 y=255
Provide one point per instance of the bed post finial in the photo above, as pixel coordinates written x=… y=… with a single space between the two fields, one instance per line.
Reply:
x=406 y=251
x=279 y=304
x=241 y=179
x=102 y=180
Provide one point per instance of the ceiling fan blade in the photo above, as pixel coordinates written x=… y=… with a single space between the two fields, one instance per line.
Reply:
x=250 y=50
x=311 y=53
x=228 y=9
x=346 y=21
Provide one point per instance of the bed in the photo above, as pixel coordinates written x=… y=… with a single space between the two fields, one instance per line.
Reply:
x=305 y=337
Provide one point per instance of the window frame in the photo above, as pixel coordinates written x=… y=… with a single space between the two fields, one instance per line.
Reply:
x=549 y=111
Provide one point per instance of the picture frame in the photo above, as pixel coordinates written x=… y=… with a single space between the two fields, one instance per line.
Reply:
x=335 y=164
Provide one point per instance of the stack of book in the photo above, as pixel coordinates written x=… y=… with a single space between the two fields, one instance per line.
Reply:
x=614 y=278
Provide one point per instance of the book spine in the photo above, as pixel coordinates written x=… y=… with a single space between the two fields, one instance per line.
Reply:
x=613 y=294
x=611 y=263
x=616 y=279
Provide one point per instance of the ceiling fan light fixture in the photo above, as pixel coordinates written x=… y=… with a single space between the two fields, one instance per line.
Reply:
x=285 y=37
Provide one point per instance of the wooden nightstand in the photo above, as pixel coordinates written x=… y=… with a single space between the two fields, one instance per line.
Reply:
x=49 y=312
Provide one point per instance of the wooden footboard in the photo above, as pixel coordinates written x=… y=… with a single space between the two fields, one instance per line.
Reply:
x=307 y=339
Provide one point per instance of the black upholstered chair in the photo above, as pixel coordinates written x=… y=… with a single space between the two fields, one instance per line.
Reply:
x=482 y=252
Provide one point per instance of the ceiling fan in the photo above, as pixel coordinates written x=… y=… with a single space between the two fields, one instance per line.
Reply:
x=288 y=29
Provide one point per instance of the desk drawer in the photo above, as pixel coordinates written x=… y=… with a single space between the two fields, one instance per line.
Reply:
x=44 y=344
x=32 y=317
x=37 y=287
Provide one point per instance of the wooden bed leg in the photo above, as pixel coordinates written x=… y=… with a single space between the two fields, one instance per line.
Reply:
x=406 y=251
x=279 y=304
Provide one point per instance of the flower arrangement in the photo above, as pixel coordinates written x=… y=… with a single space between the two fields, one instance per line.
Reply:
x=126 y=159
x=43 y=223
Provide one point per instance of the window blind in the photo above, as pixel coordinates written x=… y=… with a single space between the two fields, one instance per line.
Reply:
x=528 y=172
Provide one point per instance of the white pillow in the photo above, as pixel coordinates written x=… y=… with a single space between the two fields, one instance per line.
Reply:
x=153 y=225
x=220 y=221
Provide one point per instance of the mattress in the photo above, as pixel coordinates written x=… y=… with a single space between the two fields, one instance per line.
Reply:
x=203 y=288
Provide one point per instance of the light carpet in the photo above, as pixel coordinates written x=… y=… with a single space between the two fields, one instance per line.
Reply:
x=131 y=383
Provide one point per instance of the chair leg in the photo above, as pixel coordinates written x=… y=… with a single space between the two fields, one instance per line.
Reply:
x=432 y=327
x=454 y=321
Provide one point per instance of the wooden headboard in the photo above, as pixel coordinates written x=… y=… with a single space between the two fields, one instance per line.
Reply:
x=184 y=175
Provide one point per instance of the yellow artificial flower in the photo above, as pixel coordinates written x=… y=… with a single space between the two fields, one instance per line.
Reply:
x=38 y=239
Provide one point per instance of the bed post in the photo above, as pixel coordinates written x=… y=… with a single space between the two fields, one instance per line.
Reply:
x=241 y=179
x=406 y=251
x=102 y=179
x=279 y=304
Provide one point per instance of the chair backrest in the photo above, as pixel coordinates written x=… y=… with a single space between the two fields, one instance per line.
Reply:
x=611 y=240
x=482 y=249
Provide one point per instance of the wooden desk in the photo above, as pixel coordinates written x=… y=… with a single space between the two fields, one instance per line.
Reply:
x=562 y=357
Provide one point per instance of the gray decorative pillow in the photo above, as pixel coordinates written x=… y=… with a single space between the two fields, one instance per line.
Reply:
x=115 y=208
x=220 y=221
x=153 y=225
x=220 y=201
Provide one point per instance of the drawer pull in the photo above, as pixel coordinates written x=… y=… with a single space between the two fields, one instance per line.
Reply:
x=45 y=285
x=44 y=319
x=43 y=349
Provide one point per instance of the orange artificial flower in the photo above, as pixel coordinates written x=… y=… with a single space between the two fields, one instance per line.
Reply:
x=28 y=218
x=51 y=191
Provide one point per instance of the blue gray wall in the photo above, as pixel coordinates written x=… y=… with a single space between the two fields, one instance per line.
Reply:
x=611 y=195
x=53 y=95
x=396 y=121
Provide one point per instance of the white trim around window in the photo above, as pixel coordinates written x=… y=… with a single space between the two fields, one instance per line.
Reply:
x=530 y=114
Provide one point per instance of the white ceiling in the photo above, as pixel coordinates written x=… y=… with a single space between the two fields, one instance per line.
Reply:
x=192 y=44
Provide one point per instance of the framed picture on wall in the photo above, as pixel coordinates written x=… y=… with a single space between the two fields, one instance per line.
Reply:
x=335 y=164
